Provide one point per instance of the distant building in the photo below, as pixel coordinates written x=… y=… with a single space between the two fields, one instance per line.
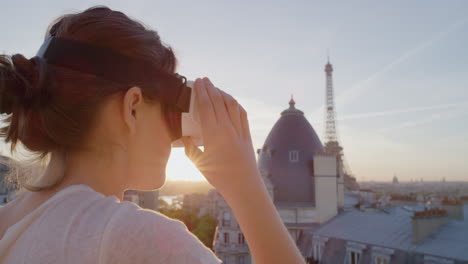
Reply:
x=367 y=196
x=229 y=243
x=193 y=202
x=210 y=206
x=145 y=199
x=395 y=179
x=404 y=200
x=6 y=190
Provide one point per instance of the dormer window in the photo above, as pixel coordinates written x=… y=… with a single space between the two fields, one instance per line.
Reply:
x=226 y=238
x=318 y=244
x=381 y=255
x=240 y=239
x=354 y=257
x=354 y=253
x=226 y=219
x=381 y=260
x=293 y=156
x=318 y=251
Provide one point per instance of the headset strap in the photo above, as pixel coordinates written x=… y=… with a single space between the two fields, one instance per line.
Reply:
x=114 y=66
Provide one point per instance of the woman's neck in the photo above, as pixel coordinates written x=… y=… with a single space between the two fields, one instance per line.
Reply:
x=106 y=173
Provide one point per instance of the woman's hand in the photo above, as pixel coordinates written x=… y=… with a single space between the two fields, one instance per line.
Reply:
x=228 y=163
x=228 y=159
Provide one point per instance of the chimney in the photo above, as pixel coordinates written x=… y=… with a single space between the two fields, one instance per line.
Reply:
x=454 y=209
x=426 y=222
x=403 y=200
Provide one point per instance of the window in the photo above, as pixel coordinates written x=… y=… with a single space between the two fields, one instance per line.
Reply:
x=241 y=239
x=354 y=257
x=354 y=253
x=381 y=255
x=318 y=246
x=293 y=156
x=241 y=260
x=226 y=219
x=380 y=260
x=226 y=238
x=318 y=252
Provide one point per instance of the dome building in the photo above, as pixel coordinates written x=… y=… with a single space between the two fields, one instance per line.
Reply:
x=302 y=180
x=286 y=158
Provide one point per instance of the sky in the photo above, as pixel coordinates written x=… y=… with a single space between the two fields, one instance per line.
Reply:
x=400 y=70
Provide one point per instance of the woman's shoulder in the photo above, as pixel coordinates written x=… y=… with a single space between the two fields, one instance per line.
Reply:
x=122 y=232
x=108 y=212
x=138 y=235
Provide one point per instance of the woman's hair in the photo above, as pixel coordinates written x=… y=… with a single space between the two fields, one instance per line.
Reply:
x=50 y=108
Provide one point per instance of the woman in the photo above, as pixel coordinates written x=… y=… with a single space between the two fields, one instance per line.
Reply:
x=104 y=136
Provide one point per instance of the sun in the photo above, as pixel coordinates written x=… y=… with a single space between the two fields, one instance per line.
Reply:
x=179 y=167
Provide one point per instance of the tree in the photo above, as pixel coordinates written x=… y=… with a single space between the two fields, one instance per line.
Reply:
x=189 y=218
x=205 y=230
x=203 y=227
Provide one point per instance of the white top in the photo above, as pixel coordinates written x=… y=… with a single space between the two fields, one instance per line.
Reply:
x=80 y=225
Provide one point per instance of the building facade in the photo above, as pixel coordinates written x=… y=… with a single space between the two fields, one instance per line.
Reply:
x=7 y=190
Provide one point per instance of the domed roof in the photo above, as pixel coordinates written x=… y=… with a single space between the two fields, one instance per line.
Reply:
x=286 y=158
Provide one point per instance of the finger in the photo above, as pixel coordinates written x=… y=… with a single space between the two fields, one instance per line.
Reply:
x=217 y=101
x=232 y=107
x=245 y=123
x=191 y=151
x=205 y=108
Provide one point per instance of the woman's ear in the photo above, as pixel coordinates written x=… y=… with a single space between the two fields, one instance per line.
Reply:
x=132 y=102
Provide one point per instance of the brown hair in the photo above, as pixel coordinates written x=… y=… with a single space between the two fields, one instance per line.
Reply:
x=51 y=108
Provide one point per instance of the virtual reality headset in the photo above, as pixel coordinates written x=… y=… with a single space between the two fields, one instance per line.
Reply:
x=173 y=90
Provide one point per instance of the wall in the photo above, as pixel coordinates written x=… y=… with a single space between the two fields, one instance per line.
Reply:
x=298 y=215
x=340 y=188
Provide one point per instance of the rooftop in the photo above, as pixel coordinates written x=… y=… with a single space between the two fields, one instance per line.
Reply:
x=393 y=229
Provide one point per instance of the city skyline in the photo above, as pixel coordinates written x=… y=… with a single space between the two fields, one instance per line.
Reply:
x=401 y=98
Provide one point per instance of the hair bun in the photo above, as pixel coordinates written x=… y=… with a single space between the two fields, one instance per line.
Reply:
x=22 y=82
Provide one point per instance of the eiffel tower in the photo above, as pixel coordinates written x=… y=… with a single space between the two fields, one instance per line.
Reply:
x=332 y=145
